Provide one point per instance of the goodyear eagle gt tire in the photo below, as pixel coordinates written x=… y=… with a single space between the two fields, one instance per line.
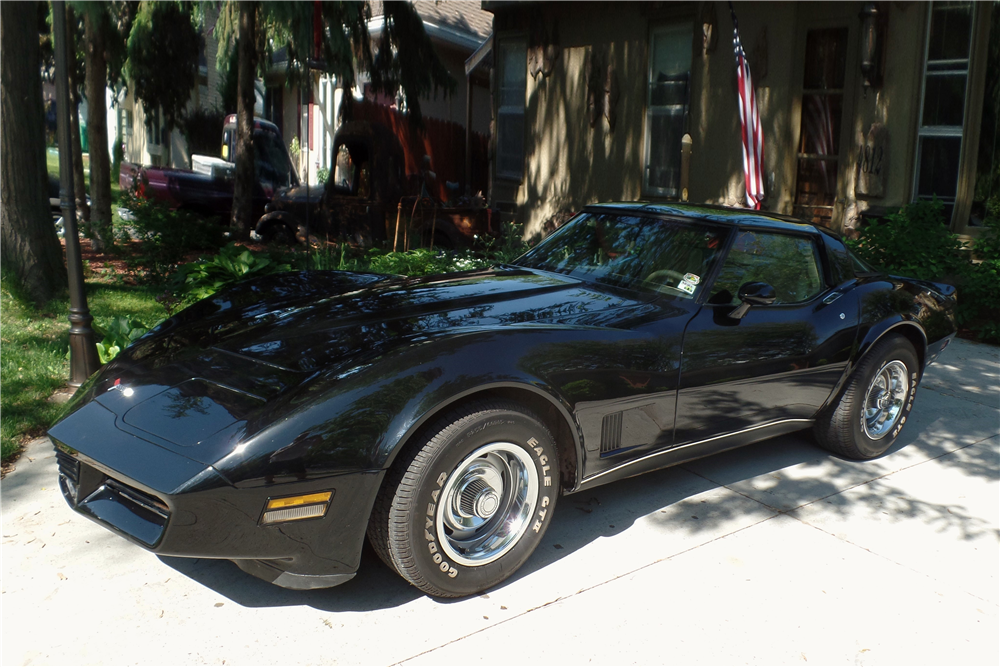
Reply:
x=875 y=404
x=465 y=507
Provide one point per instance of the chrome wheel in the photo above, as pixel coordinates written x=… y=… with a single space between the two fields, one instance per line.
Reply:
x=487 y=503
x=885 y=399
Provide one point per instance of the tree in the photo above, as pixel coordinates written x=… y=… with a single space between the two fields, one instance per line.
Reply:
x=95 y=48
x=76 y=76
x=162 y=59
x=29 y=247
x=106 y=27
x=404 y=62
x=242 y=211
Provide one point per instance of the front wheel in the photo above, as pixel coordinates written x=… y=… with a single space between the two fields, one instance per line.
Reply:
x=875 y=404
x=468 y=505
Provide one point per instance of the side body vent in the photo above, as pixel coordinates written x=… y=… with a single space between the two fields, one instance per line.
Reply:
x=611 y=433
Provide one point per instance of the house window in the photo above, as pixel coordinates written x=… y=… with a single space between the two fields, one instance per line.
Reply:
x=818 y=155
x=667 y=107
x=942 y=108
x=513 y=55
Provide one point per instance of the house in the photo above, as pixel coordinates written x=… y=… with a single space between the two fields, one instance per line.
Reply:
x=152 y=143
x=864 y=106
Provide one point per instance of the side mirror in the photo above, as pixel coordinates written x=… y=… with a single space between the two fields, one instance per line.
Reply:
x=753 y=294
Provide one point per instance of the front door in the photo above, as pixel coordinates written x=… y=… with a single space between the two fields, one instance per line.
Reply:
x=821 y=161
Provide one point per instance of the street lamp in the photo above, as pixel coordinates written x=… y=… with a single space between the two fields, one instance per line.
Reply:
x=83 y=360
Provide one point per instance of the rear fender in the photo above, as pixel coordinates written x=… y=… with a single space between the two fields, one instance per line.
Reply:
x=909 y=329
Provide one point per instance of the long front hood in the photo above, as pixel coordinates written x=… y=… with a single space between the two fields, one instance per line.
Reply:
x=317 y=330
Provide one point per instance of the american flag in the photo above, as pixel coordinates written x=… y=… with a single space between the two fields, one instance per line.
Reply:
x=753 y=137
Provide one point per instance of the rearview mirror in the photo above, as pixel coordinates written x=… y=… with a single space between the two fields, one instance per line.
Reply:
x=753 y=294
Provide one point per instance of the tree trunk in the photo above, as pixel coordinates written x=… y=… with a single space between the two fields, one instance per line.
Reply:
x=29 y=246
x=79 y=184
x=97 y=130
x=242 y=216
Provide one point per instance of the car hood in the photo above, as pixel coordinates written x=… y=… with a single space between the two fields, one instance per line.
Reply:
x=219 y=362
x=317 y=329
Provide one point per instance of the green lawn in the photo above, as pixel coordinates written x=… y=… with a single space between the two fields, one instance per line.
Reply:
x=33 y=344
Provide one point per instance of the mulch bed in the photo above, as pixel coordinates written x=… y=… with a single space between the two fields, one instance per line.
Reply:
x=113 y=265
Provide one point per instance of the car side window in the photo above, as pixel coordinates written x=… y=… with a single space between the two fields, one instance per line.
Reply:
x=787 y=263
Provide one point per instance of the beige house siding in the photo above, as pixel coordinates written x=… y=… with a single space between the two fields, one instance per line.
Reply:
x=568 y=164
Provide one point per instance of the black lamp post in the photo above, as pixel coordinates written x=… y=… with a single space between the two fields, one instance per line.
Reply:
x=83 y=360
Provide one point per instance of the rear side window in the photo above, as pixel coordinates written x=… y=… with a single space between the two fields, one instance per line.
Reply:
x=787 y=263
x=841 y=267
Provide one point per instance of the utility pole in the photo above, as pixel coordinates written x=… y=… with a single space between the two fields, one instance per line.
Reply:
x=83 y=359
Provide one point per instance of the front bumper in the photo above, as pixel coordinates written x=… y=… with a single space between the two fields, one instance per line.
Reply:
x=174 y=506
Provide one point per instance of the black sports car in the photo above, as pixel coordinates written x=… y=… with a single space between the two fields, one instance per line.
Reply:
x=280 y=421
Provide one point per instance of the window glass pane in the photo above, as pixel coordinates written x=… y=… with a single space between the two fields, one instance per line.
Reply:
x=628 y=251
x=938 y=166
x=665 y=133
x=951 y=29
x=513 y=64
x=670 y=73
x=826 y=59
x=786 y=263
x=821 y=121
x=944 y=99
x=669 y=92
x=510 y=116
x=671 y=52
x=510 y=143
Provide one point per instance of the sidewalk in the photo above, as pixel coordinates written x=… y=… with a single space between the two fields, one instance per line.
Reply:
x=777 y=553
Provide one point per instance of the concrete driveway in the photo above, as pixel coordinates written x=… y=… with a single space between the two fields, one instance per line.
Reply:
x=774 y=554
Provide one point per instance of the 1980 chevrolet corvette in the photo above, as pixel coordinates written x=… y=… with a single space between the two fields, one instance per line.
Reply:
x=281 y=420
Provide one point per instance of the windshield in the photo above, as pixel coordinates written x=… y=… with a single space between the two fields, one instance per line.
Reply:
x=271 y=162
x=631 y=251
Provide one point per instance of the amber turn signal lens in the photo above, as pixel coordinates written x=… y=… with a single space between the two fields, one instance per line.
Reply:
x=294 y=501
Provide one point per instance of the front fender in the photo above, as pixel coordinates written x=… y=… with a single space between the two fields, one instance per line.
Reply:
x=361 y=416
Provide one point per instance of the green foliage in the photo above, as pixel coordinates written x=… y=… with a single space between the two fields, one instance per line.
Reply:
x=202 y=128
x=116 y=335
x=294 y=149
x=155 y=238
x=163 y=58
x=979 y=292
x=509 y=246
x=205 y=277
x=323 y=175
x=423 y=261
x=914 y=241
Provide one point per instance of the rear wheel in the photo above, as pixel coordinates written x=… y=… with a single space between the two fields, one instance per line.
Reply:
x=875 y=404
x=468 y=505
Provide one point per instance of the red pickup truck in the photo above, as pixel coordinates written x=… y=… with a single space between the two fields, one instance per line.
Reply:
x=208 y=189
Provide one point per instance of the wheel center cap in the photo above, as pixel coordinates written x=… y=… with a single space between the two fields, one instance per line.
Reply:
x=487 y=503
